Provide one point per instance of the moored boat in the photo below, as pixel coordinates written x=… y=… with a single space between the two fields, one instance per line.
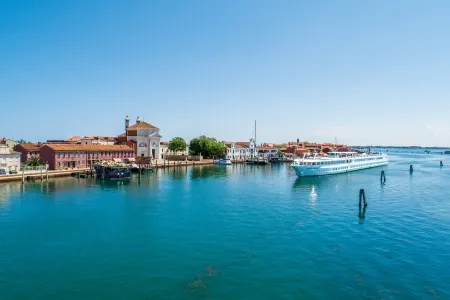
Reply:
x=337 y=162
x=222 y=161
x=275 y=160
x=112 y=172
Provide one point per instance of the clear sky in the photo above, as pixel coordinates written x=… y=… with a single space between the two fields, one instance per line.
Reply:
x=366 y=72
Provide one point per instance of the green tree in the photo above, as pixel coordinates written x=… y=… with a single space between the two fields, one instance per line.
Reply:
x=177 y=144
x=34 y=162
x=206 y=146
x=22 y=141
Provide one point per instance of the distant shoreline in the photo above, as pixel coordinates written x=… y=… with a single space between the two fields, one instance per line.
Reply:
x=401 y=147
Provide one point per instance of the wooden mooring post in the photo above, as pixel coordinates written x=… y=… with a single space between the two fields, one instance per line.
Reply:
x=362 y=206
x=362 y=198
x=382 y=177
x=411 y=169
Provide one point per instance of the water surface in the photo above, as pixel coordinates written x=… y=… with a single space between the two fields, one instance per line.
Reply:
x=239 y=232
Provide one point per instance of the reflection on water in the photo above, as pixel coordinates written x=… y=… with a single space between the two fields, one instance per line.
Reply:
x=335 y=180
x=221 y=230
x=313 y=194
x=201 y=172
x=362 y=214
x=177 y=173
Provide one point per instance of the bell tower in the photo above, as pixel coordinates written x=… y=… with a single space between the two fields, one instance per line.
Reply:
x=127 y=122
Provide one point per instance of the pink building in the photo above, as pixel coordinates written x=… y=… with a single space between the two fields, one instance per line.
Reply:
x=27 y=151
x=61 y=156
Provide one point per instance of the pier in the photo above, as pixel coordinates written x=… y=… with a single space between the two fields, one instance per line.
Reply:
x=82 y=172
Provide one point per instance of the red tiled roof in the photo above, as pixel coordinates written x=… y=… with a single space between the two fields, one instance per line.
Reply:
x=74 y=139
x=165 y=143
x=142 y=125
x=68 y=147
x=30 y=147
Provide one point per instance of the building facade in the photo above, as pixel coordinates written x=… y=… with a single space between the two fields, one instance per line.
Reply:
x=268 y=152
x=62 y=156
x=164 y=148
x=241 y=150
x=9 y=160
x=27 y=151
x=146 y=137
x=8 y=142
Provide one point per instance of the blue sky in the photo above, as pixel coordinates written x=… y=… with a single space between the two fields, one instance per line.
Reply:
x=367 y=72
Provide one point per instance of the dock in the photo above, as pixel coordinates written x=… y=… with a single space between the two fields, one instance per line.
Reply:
x=84 y=172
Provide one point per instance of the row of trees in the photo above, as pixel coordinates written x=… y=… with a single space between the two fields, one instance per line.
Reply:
x=208 y=147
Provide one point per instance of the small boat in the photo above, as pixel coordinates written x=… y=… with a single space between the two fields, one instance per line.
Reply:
x=275 y=160
x=222 y=161
x=133 y=167
x=111 y=172
x=257 y=161
x=447 y=152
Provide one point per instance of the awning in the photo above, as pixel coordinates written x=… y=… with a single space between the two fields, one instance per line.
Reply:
x=131 y=159
x=117 y=159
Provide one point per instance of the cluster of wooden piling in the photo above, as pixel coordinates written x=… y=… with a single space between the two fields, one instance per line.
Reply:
x=362 y=194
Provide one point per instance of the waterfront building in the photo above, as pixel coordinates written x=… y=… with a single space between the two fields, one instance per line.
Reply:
x=98 y=140
x=27 y=151
x=268 y=152
x=300 y=148
x=61 y=156
x=143 y=137
x=164 y=148
x=9 y=160
x=241 y=150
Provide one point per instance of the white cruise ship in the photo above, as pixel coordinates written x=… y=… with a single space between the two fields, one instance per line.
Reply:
x=337 y=162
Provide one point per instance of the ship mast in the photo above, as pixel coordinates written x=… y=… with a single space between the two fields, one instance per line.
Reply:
x=255 y=133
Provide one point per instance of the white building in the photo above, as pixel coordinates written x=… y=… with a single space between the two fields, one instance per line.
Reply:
x=98 y=140
x=164 y=146
x=241 y=150
x=9 y=160
x=8 y=142
x=146 y=136
x=268 y=152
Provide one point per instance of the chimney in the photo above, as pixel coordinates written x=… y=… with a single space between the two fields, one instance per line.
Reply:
x=127 y=122
x=298 y=141
x=138 y=120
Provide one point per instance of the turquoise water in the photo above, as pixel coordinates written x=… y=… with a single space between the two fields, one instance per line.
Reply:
x=239 y=232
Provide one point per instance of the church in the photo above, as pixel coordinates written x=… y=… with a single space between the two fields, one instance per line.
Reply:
x=145 y=137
